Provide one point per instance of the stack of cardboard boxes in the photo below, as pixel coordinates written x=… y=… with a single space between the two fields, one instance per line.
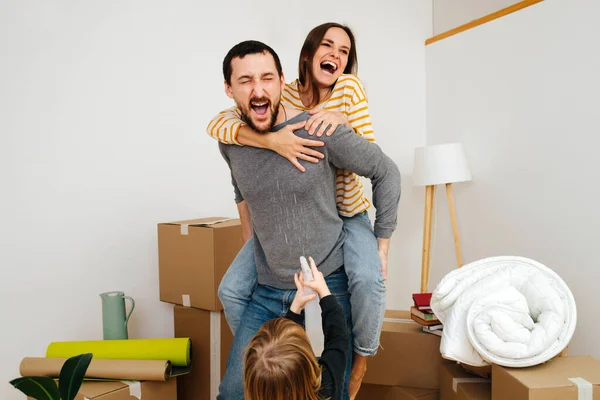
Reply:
x=408 y=366
x=407 y=363
x=193 y=256
x=126 y=390
x=563 y=377
x=457 y=382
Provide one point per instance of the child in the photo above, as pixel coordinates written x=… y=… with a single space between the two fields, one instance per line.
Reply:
x=280 y=363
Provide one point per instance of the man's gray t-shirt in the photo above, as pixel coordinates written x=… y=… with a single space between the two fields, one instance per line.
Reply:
x=294 y=213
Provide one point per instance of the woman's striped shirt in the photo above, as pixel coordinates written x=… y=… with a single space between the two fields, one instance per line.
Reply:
x=349 y=98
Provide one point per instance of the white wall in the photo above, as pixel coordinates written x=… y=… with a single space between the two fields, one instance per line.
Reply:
x=448 y=14
x=103 y=107
x=521 y=93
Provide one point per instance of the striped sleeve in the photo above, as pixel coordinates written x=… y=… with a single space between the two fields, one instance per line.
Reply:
x=358 y=109
x=291 y=98
x=225 y=126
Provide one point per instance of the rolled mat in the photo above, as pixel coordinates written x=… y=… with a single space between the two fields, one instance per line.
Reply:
x=135 y=370
x=175 y=350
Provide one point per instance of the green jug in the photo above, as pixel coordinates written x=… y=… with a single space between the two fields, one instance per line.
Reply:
x=114 y=318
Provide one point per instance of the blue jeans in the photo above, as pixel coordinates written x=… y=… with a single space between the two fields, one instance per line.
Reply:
x=266 y=304
x=365 y=281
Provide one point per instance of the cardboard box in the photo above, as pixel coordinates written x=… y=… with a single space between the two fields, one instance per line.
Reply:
x=193 y=256
x=550 y=380
x=146 y=390
x=407 y=355
x=453 y=376
x=484 y=372
x=379 y=392
x=475 y=391
x=211 y=341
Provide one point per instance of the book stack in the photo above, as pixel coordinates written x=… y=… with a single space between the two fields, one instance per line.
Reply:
x=422 y=314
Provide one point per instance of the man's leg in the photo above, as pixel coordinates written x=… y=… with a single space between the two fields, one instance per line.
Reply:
x=367 y=293
x=237 y=285
x=266 y=304
x=338 y=286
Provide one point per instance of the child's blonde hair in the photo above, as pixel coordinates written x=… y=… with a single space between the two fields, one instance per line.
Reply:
x=280 y=364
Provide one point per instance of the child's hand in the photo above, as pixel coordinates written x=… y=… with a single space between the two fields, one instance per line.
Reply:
x=318 y=283
x=301 y=298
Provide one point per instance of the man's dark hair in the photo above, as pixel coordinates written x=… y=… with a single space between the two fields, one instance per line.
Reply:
x=243 y=49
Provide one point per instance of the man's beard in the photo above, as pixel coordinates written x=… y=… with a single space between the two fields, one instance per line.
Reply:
x=246 y=112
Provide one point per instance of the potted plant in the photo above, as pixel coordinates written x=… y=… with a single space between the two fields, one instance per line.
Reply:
x=69 y=381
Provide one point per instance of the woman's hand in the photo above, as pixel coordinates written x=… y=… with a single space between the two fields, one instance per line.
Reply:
x=285 y=143
x=383 y=246
x=325 y=121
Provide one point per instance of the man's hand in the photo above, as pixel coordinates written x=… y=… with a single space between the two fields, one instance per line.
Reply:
x=288 y=145
x=383 y=245
x=245 y=220
x=328 y=121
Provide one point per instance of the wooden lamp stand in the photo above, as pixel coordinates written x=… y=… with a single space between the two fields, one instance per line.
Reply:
x=440 y=164
x=429 y=197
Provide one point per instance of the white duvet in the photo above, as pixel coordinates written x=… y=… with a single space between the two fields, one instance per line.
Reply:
x=510 y=311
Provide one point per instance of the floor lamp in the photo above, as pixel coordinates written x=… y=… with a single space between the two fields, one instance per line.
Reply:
x=436 y=165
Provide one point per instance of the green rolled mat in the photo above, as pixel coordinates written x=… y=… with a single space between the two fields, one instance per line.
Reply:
x=175 y=350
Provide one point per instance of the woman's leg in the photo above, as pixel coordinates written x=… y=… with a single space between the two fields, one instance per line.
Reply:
x=367 y=292
x=338 y=285
x=237 y=285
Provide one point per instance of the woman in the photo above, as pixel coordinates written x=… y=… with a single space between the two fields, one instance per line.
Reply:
x=326 y=86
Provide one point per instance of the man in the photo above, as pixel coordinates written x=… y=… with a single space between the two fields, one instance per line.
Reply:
x=293 y=214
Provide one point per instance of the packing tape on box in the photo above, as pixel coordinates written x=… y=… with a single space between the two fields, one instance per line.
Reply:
x=185 y=300
x=218 y=221
x=215 y=353
x=585 y=390
x=135 y=388
x=185 y=228
x=456 y=381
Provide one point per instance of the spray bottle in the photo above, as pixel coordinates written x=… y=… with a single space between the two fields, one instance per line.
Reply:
x=312 y=314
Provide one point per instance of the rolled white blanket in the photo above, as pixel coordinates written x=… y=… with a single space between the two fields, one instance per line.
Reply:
x=510 y=311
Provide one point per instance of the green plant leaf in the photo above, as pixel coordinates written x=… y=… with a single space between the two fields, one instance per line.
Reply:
x=72 y=374
x=38 y=387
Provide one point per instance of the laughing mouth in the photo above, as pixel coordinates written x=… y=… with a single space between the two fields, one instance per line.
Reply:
x=329 y=67
x=260 y=107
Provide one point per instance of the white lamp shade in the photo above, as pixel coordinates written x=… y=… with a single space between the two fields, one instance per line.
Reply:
x=440 y=164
